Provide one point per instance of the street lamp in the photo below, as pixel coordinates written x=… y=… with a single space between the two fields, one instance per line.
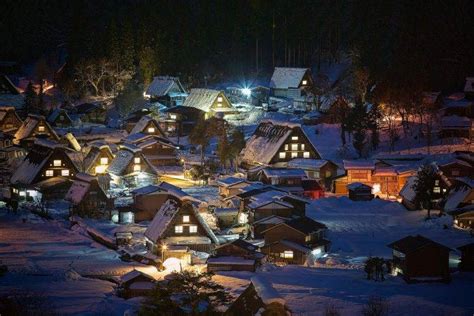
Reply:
x=246 y=92
x=163 y=248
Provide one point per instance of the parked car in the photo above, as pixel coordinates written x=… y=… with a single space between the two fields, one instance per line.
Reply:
x=241 y=229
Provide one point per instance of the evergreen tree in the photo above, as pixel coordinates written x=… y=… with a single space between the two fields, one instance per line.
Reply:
x=424 y=185
x=200 y=137
x=224 y=151
x=358 y=124
x=374 y=117
x=236 y=145
x=31 y=99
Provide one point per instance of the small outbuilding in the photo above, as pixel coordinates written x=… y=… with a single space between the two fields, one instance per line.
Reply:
x=360 y=192
x=136 y=283
x=419 y=259
x=467 y=257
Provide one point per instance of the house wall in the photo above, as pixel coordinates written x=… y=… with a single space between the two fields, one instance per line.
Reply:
x=156 y=129
x=233 y=250
x=178 y=220
x=273 y=253
x=430 y=261
x=266 y=211
x=94 y=203
x=280 y=232
x=104 y=153
x=160 y=155
x=10 y=122
x=456 y=170
x=144 y=167
x=225 y=103
x=49 y=165
x=301 y=141
x=230 y=267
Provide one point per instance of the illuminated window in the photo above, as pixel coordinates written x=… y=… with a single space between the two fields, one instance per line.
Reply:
x=100 y=169
x=137 y=168
x=178 y=229
x=151 y=129
x=306 y=154
x=282 y=155
x=437 y=190
x=173 y=116
x=286 y=146
x=193 y=229
x=294 y=155
x=219 y=99
x=185 y=218
x=294 y=137
x=65 y=172
x=287 y=254
x=104 y=161
x=304 y=82
x=49 y=173
x=302 y=146
x=41 y=128
x=219 y=105
x=136 y=160
x=294 y=146
x=57 y=163
x=436 y=182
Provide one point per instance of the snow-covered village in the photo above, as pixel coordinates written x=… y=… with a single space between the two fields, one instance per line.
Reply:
x=237 y=158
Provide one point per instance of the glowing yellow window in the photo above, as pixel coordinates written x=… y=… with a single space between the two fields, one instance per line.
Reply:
x=173 y=116
x=193 y=229
x=286 y=146
x=65 y=172
x=306 y=154
x=304 y=82
x=294 y=155
x=287 y=254
x=294 y=137
x=136 y=160
x=100 y=169
x=178 y=229
x=104 y=161
x=185 y=218
x=220 y=99
x=282 y=155
x=302 y=146
x=151 y=129
x=57 y=163
x=294 y=146
x=41 y=128
x=49 y=173
x=137 y=168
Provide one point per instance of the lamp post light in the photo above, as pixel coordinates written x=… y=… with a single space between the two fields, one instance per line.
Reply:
x=163 y=248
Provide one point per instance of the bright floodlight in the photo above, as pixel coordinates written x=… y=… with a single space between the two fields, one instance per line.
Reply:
x=247 y=92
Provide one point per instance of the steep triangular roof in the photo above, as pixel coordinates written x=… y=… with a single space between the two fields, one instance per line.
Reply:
x=161 y=85
x=202 y=99
x=284 y=78
x=410 y=244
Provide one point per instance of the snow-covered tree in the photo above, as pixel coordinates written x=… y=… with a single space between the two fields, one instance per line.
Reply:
x=424 y=184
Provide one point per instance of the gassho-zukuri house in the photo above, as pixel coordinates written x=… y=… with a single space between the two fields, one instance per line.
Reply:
x=212 y=102
x=276 y=143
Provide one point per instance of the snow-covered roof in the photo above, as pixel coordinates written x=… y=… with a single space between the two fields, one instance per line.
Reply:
x=295 y=246
x=359 y=164
x=410 y=244
x=121 y=161
x=231 y=260
x=146 y=190
x=259 y=203
x=283 y=172
x=469 y=86
x=142 y=123
x=459 y=193
x=407 y=192
x=455 y=121
x=265 y=291
x=161 y=86
x=284 y=78
x=273 y=219
x=307 y=163
x=134 y=274
x=165 y=215
x=30 y=124
x=269 y=136
x=202 y=99
x=230 y=181
x=357 y=186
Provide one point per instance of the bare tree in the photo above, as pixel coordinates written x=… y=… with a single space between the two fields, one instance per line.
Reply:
x=376 y=306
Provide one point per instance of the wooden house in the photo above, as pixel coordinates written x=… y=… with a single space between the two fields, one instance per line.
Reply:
x=9 y=120
x=166 y=90
x=131 y=166
x=149 y=199
x=179 y=121
x=296 y=240
x=175 y=225
x=34 y=126
x=418 y=258
x=149 y=126
x=98 y=158
x=265 y=223
x=238 y=255
x=132 y=119
x=9 y=94
x=46 y=170
x=457 y=126
x=457 y=105
x=467 y=257
x=259 y=298
x=383 y=178
x=460 y=194
x=408 y=194
x=9 y=152
x=276 y=143
x=159 y=151
x=360 y=192
x=465 y=219
x=291 y=83
x=211 y=102
x=87 y=197
x=231 y=186
x=60 y=118
x=319 y=169
x=92 y=113
x=136 y=283
x=455 y=168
